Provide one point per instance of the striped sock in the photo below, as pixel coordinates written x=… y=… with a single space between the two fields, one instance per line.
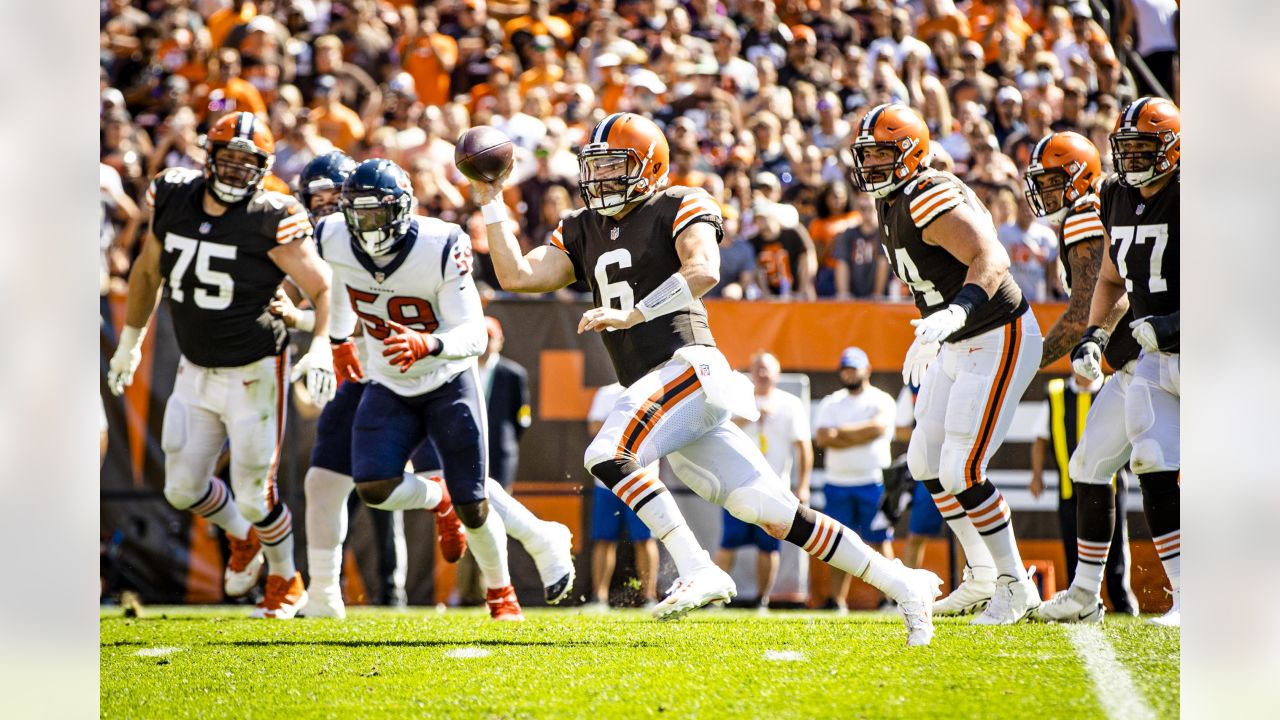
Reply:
x=1161 y=499
x=648 y=498
x=990 y=515
x=976 y=554
x=1095 y=524
x=1092 y=563
x=276 y=534
x=842 y=549
x=217 y=508
x=1169 y=548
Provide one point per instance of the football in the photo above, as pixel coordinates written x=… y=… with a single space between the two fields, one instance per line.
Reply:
x=483 y=153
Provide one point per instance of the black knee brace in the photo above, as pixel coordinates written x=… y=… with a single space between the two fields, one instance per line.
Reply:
x=473 y=514
x=614 y=470
x=802 y=527
x=1161 y=497
x=1095 y=512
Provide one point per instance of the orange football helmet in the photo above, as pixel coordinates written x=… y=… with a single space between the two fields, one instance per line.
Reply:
x=891 y=126
x=1147 y=141
x=240 y=151
x=625 y=159
x=1064 y=167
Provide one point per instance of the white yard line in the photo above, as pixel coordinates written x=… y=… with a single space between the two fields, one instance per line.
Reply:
x=1112 y=685
x=466 y=653
x=157 y=651
x=784 y=655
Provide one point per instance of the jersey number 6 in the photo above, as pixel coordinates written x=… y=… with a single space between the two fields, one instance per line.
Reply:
x=621 y=291
x=412 y=312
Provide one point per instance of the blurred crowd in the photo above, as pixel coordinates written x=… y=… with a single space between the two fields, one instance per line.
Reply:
x=757 y=97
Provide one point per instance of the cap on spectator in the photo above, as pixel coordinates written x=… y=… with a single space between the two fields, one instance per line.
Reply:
x=608 y=60
x=402 y=83
x=1008 y=94
x=493 y=326
x=648 y=80
x=117 y=115
x=706 y=65
x=767 y=179
x=854 y=357
x=1080 y=9
x=971 y=49
x=113 y=97
x=261 y=23
x=803 y=34
x=326 y=84
x=542 y=42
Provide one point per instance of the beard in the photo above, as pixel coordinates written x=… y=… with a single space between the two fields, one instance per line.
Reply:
x=855 y=386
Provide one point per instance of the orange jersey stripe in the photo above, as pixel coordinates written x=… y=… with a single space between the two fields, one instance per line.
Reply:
x=943 y=203
x=638 y=429
x=1013 y=338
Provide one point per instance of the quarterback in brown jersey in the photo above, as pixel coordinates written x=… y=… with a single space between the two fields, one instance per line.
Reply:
x=649 y=252
x=219 y=246
x=977 y=347
x=1062 y=181
x=1139 y=209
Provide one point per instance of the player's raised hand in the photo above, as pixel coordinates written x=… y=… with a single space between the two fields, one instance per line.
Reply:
x=1086 y=358
x=483 y=192
x=607 y=318
x=346 y=362
x=404 y=346
x=317 y=367
x=940 y=325
x=919 y=356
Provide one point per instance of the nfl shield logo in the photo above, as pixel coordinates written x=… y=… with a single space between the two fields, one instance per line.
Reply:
x=1138 y=210
x=379 y=276
x=613 y=234
x=205 y=228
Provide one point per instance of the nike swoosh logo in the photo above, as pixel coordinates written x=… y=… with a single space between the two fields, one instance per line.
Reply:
x=247 y=383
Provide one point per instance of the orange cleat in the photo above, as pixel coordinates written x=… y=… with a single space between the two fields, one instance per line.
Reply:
x=453 y=541
x=503 y=604
x=244 y=567
x=283 y=599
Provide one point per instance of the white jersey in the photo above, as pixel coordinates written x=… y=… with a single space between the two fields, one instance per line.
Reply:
x=426 y=286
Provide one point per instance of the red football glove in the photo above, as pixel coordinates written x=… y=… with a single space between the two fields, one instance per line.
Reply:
x=346 y=362
x=406 y=347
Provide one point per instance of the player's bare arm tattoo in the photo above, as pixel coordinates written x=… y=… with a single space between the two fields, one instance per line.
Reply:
x=1086 y=259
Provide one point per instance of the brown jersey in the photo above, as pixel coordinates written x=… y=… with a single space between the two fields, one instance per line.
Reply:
x=218 y=276
x=622 y=261
x=934 y=275
x=1144 y=243
x=1083 y=223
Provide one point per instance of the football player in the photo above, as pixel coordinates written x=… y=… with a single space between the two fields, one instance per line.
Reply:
x=1139 y=208
x=1062 y=182
x=977 y=347
x=648 y=252
x=408 y=281
x=219 y=245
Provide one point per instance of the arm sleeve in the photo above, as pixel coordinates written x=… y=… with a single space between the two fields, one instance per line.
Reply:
x=458 y=304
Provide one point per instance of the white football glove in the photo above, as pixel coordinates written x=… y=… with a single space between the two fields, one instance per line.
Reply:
x=941 y=325
x=919 y=356
x=1156 y=333
x=1145 y=334
x=125 y=361
x=1086 y=357
x=317 y=365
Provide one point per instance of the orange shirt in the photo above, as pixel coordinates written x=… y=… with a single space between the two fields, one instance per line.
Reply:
x=341 y=126
x=537 y=77
x=223 y=21
x=957 y=25
x=240 y=91
x=275 y=183
x=430 y=71
x=556 y=27
x=824 y=232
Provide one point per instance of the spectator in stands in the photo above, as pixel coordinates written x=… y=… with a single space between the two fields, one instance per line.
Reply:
x=785 y=259
x=835 y=214
x=861 y=269
x=334 y=121
x=1156 y=22
x=854 y=426
x=1032 y=249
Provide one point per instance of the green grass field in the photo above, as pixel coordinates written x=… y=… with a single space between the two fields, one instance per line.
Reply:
x=190 y=662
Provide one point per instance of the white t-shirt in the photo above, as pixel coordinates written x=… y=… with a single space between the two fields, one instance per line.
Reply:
x=860 y=464
x=782 y=424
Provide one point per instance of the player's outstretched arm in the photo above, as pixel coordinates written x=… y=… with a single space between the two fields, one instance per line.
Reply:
x=542 y=269
x=144 y=294
x=1109 y=301
x=971 y=239
x=1085 y=258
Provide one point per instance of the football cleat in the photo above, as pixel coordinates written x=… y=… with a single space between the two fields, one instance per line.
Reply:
x=503 y=604
x=284 y=598
x=553 y=555
x=449 y=533
x=708 y=585
x=1073 y=605
x=325 y=602
x=1012 y=602
x=917 y=606
x=244 y=567
x=1173 y=618
x=972 y=596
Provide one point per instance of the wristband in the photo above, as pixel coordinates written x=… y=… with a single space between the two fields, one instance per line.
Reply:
x=672 y=295
x=970 y=297
x=306 y=321
x=1095 y=334
x=495 y=211
x=335 y=342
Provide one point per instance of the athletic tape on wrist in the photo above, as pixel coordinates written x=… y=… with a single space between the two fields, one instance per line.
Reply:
x=495 y=211
x=672 y=295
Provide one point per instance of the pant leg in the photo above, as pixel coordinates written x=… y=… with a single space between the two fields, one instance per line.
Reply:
x=1152 y=414
x=1104 y=446
x=384 y=433
x=456 y=424
x=924 y=451
x=192 y=437
x=255 y=416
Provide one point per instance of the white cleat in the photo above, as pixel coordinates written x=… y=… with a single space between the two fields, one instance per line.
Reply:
x=554 y=558
x=708 y=585
x=1073 y=605
x=325 y=602
x=1173 y=618
x=972 y=596
x=917 y=606
x=1013 y=601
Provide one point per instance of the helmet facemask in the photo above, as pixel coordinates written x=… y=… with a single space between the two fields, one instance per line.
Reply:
x=326 y=192
x=1141 y=158
x=1047 y=192
x=377 y=222
x=611 y=178
x=236 y=170
x=882 y=178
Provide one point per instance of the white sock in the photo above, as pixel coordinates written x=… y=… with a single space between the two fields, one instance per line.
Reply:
x=218 y=508
x=976 y=554
x=326 y=493
x=415 y=492
x=522 y=526
x=842 y=549
x=488 y=544
x=994 y=523
x=1091 y=564
x=685 y=550
x=277 y=542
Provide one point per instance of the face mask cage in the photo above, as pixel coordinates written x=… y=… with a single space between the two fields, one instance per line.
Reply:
x=323 y=189
x=377 y=222
x=1138 y=167
x=610 y=179
x=879 y=179
x=233 y=179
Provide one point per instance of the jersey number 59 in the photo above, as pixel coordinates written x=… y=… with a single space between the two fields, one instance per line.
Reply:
x=414 y=313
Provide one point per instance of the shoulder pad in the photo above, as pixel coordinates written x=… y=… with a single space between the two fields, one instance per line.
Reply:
x=174 y=176
x=932 y=195
x=1083 y=221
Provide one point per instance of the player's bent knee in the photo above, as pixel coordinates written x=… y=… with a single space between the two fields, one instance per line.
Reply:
x=254 y=510
x=473 y=515
x=918 y=460
x=760 y=503
x=612 y=471
x=180 y=496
